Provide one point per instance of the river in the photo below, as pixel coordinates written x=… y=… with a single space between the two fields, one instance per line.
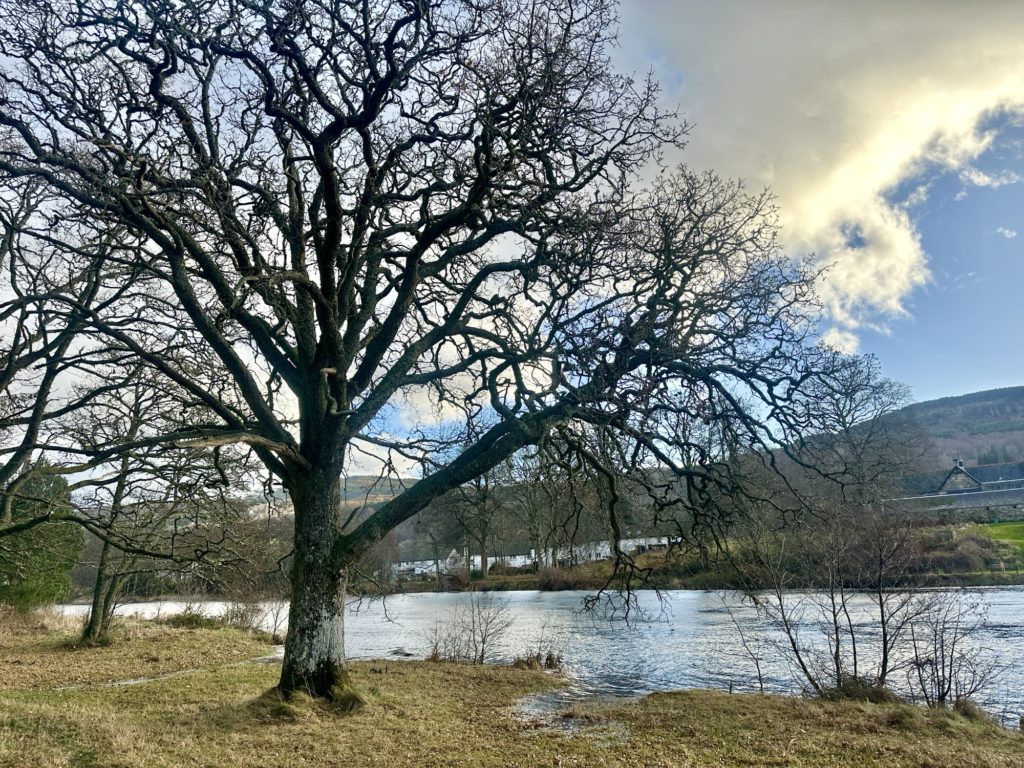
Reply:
x=687 y=640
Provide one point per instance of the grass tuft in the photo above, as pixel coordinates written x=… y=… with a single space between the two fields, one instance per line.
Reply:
x=346 y=698
x=971 y=711
x=860 y=689
x=297 y=708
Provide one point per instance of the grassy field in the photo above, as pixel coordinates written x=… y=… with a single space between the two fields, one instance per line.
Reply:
x=1011 y=532
x=422 y=714
x=43 y=653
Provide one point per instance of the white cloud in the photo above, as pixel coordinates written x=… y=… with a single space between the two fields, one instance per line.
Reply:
x=918 y=197
x=834 y=106
x=1009 y=234
x=979 y=178
x=841 y=340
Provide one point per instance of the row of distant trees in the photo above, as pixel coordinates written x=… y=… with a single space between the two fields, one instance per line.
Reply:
x=546 y=498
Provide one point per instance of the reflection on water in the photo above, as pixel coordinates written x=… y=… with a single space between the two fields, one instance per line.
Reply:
x=689 y=641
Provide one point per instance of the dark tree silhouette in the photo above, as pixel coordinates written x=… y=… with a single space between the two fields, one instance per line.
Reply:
x=326 y=218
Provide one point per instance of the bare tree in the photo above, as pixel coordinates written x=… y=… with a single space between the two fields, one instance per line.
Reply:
x=541 y=502
x=884 y=552
x=475 y=506
x=778 y=594
x=441 y=533
x=810 y=580
x=946 y=664
x=862 y=450
x=470 y=631
x=327 y=213
x=46 y=295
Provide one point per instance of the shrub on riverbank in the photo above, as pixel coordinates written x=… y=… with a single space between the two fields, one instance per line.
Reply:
x=243 y=619
x=861 y=689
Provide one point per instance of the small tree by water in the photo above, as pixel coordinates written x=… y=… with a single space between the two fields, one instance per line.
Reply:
x=470 y=631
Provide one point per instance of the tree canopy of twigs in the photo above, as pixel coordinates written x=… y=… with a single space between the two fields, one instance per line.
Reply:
x=331 y=230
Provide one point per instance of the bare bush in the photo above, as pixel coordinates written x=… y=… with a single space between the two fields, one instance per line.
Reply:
x=245 y=612
x=445 y=642
x=277 y=619
x=851 y=619
x=14 y=623
x=753 y=646
x=469 y=632
x=946 y=666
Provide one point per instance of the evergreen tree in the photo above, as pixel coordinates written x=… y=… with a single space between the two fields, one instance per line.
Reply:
x=35 y=564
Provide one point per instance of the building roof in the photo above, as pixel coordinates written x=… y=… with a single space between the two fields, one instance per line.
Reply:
x=984 y=499
x=997 y=473
x=986 y=477
x=959 y=479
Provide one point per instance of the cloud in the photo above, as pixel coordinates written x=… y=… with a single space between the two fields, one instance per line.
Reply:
x=835 y=106
x=1009 y=234
x=840 y=340
x=918 y=197
x=979 y=178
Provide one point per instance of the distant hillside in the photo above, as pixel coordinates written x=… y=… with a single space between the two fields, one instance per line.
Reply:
x=357 y=490
x=370 y=489
x=980 y=428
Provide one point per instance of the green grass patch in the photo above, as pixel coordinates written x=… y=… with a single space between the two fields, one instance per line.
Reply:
x=1009 y=532
x=1005 y=531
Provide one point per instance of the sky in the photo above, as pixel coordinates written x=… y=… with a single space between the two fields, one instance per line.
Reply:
x=892 y=135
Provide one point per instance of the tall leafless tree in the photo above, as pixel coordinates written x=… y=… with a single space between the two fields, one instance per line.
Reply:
x=853 y=541
x=333 y=216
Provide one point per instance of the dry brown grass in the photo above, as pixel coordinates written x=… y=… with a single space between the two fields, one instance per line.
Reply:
x=715 y=728
x=429 y=714
x=42 y=652
x=45 y=621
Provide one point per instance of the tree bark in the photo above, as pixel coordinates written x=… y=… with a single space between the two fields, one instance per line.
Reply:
x=314 y=652
x=96 y=627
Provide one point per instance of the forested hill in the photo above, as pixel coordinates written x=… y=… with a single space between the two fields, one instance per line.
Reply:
x=356 y=490
x=980 y=428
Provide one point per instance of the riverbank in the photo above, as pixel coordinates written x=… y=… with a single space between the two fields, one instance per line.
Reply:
x=963 y=555
x=422 y=714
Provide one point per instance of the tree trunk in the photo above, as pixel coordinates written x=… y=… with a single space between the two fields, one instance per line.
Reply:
x=483 y=560
x=96 y=627
x=106 y=590
x=115 y=584
x=539 y=553
x=107 y=585
x=883 y=621
x=314 y=651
